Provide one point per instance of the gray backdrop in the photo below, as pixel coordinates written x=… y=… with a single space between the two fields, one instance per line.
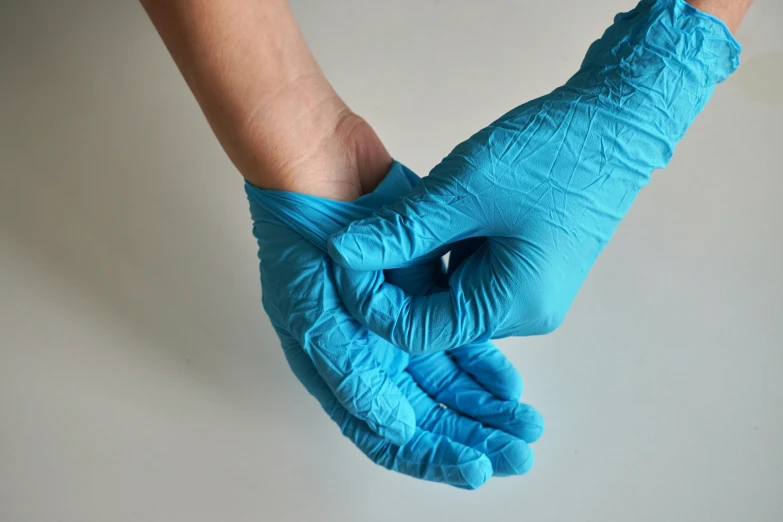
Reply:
x=141 y=381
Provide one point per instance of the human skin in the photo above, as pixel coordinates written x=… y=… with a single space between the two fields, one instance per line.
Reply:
x=266 y=99
x=731 y=12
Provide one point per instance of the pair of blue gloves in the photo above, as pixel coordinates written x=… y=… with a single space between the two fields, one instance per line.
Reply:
x=394 y=344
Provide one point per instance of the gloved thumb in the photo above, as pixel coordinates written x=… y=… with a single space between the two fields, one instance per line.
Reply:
x=418 y=225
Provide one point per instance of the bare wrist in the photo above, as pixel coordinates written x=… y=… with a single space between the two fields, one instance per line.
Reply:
x=730 y=12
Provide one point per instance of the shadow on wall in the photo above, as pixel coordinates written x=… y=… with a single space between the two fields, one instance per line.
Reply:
x=111 y=179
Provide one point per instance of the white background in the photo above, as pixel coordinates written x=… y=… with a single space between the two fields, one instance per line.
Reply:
x=141 y=381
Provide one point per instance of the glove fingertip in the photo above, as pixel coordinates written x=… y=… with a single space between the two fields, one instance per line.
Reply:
x=360 y=246
x=475 y=472
x=522 y=460
x=337 y=250
x=507 y=385
x=402 y=428
x=530 y=423
x=515 y=458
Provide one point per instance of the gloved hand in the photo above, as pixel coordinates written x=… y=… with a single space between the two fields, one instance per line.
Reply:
x=384 y=400
x=544 y=187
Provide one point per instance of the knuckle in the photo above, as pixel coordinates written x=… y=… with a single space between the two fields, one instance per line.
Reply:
x=546 y=311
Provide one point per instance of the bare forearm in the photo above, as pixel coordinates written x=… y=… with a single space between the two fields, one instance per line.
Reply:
x=262 y=92
x=731 y=12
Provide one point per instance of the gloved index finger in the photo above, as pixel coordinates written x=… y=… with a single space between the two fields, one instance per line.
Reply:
x=418 y=324
x=490 y=368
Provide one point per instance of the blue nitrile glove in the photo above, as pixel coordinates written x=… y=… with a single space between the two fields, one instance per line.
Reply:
x=384 y=400
x=546 y=185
